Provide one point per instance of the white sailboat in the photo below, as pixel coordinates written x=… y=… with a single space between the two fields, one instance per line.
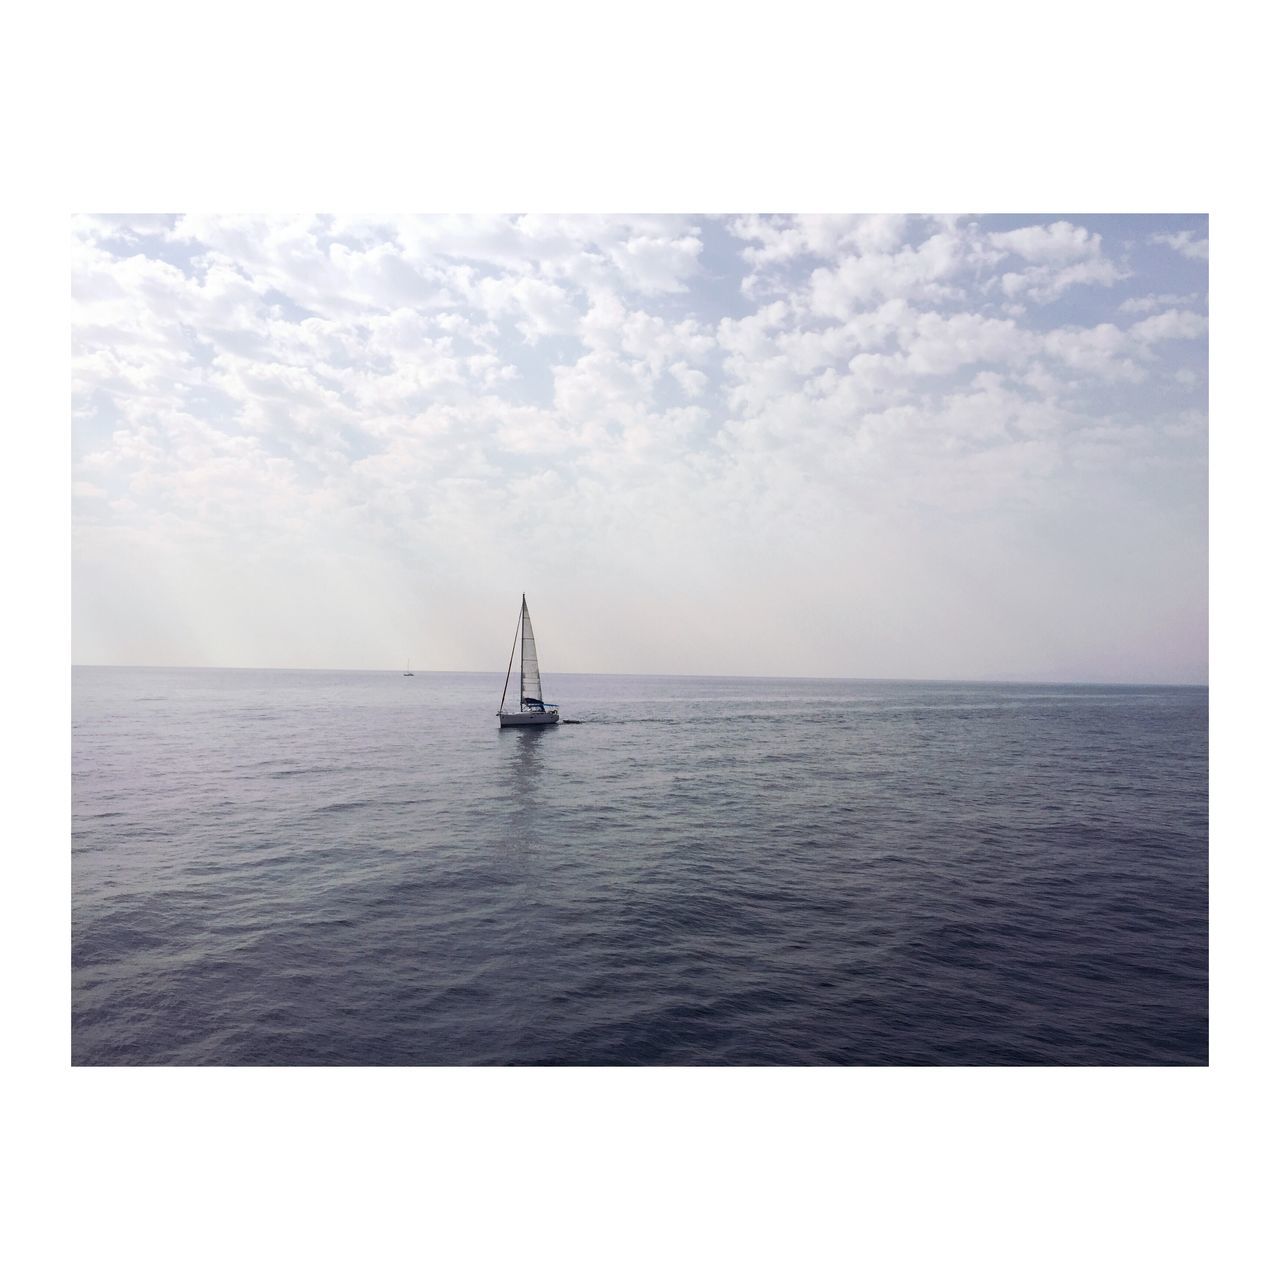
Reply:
x=533 y=711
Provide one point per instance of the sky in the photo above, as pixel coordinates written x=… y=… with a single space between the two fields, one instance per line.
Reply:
x=887 y=446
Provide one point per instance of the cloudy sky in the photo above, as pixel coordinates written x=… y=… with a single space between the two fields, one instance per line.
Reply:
x=970 y=447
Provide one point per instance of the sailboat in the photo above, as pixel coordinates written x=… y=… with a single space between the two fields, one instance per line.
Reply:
x=406 y=668
x=533 y=711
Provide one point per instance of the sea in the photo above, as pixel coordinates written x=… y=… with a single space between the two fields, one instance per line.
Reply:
x=303 y=868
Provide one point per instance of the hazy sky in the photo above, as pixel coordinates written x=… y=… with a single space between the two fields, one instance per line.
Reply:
x=961 y=446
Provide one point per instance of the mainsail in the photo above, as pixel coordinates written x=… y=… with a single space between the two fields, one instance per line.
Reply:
x=530 y=679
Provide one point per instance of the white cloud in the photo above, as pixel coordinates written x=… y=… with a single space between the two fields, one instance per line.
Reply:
x=781 y=239
x=1170 y=325
x=943 y=344
x=692 y=382
x=1060 y=255
x=540 y=308
x=1185 y=243
x=1047 y=283
x=653 y=265
x=583 y=399
x=927 y=271
x=1155 y=301
x=1056 y=243
x=1103 y=350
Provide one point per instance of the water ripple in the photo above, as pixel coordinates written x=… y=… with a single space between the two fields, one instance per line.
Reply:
x=296 y=868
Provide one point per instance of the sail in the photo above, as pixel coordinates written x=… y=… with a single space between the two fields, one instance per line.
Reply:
x=530 y=679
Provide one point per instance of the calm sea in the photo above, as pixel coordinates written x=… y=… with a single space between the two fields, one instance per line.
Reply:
x=356 y=867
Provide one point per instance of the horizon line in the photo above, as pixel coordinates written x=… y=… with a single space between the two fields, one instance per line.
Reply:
x=662 y=675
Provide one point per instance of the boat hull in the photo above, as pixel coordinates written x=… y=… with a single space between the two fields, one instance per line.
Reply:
x=527 y=719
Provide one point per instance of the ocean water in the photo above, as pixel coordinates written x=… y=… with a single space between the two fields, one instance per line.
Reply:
x=275 y=867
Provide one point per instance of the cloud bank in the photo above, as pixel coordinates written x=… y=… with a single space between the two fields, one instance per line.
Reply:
x=848 y=445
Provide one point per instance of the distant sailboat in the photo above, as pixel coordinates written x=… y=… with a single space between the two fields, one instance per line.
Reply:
x=533 y=710
x=406 y=668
